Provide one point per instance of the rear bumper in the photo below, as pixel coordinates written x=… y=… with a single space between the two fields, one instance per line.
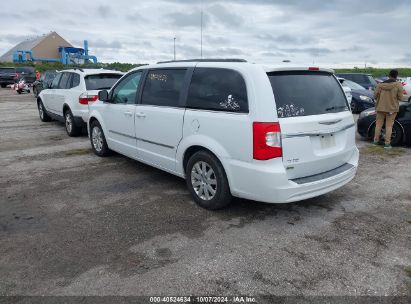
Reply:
x=7 y=81
x=78 y=121
x=269 y=183
x=82 y=113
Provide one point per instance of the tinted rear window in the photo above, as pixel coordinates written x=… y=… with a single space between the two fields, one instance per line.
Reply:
x=306 y=93
x=101 y=81
x=217 y=90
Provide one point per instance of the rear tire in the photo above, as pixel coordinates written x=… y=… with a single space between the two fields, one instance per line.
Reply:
x=98 y=140
x=71 y=128
x=207 y=182
x=44 y=117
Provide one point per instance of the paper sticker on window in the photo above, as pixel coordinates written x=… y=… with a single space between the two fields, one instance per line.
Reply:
x=290 y=110
x=230 y=103
x=159 y=77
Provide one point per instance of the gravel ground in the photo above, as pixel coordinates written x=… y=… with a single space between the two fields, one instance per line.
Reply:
x=72 y=223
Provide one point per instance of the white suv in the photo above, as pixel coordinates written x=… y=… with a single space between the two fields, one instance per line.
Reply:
x=232 y=128
x=70 y=92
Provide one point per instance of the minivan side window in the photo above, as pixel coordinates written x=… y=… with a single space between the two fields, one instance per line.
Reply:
x=163 y=87
x=217 y=90
x=55 y=83
x=65 y=81
x=126 y=89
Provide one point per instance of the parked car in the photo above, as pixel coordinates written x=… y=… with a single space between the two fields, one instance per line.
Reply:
x=274 y=135
x=7 y=76
x=364 y=80
x=12 y=75
x=70 y=93
x=401 y=132
x=406 y=83
x=347 y=92
x=381 y=79
x=44 y=82
x=28 y=73
x=361 y=98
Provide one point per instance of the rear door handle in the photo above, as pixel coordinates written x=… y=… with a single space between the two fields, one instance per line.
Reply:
x=141 y=114
x=128 y=113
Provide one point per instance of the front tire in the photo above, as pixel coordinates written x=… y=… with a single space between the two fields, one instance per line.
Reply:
x=207 y=182
x=44 y=117
x=71 y=128
x=98 y=140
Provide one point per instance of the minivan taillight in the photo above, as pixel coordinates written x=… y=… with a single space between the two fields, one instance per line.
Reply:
x=84 y=99
x=266 y=140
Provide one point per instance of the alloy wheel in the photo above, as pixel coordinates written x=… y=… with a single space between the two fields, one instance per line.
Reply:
x=203 y=180
x=41 y=112
x=97 y=139
x=69 y=123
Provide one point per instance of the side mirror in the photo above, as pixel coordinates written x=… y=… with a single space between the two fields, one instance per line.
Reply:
x=103 y=95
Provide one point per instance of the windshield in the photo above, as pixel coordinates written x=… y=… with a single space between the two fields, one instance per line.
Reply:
x=352 y=85
x=6 y=70
x=305 y=93
x=101 y=81
x=25 y=70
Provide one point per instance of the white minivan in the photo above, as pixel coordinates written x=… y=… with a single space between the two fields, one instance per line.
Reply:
x=231 y=128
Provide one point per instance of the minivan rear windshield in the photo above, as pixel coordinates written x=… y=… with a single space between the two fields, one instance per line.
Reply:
x=305 y=93
x=101 y=81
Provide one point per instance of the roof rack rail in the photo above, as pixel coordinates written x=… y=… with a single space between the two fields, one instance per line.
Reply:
x=205 y=60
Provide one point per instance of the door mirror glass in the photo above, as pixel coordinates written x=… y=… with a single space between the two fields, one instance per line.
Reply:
x=103 y=95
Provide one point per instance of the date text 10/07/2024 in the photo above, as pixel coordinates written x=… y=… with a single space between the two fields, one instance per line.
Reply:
x=203 y=299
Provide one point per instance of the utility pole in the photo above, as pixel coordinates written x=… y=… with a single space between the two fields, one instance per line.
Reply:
x=174 y=48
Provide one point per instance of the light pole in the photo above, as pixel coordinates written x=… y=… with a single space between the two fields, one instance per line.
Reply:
x=174 y=48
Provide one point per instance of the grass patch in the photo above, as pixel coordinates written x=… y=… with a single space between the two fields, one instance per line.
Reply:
x=75 y=152
x=408 y=270
x=380 y=151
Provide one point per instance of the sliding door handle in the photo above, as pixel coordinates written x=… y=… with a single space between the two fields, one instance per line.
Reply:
x=141 y=114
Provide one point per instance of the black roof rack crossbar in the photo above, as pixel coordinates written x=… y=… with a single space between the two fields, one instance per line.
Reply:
x=204 y=60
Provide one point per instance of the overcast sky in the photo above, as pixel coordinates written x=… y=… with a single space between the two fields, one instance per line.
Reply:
x=324 y=32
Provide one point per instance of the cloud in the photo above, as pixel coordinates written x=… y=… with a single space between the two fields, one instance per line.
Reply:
x=104 y=10
x=332 y=32
x=102 y=44
x=225 y=16
x=286 y=38
x=189 y=19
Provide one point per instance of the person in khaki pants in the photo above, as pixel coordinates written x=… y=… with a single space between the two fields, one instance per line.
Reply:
x=387 y=97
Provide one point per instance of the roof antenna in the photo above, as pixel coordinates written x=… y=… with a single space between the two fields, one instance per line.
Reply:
x=201 y=30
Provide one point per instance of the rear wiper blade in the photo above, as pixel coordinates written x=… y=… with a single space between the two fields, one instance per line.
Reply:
x=335 y=108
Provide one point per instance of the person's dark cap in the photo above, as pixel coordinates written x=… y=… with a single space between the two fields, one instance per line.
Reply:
x=393 y=74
